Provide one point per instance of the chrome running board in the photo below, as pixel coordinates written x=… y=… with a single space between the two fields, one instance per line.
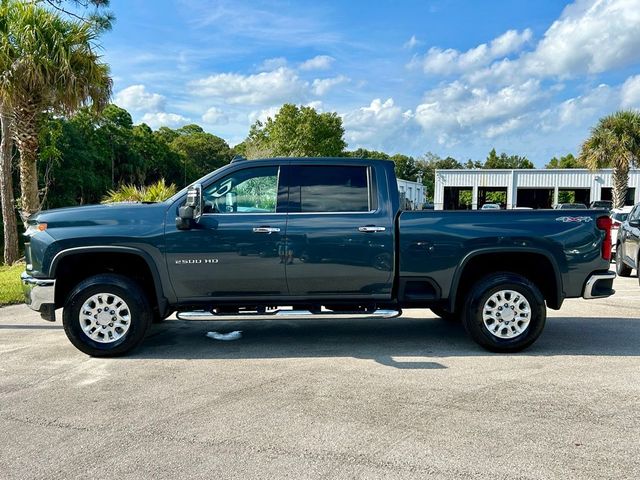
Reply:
x=286 y=315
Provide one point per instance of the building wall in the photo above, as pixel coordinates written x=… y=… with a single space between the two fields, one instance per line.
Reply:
x=413 y=191
x=513 y=179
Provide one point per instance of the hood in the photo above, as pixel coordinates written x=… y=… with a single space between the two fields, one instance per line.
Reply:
x=123 y=213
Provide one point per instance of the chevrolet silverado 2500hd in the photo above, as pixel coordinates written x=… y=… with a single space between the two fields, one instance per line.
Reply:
x=287 y=237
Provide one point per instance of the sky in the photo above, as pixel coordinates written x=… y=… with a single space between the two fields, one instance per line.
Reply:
x=455 y=78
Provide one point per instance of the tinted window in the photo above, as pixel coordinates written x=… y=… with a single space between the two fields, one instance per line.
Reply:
x=251 y=190
x=328 y=189
x=620 y=217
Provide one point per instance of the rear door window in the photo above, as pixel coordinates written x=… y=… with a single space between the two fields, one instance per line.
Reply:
x=329 y=188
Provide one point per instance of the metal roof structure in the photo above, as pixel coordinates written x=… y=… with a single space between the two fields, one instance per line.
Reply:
x=522 y=185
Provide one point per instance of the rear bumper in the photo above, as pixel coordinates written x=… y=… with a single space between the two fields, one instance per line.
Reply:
x=39 y=295
x=599 y=285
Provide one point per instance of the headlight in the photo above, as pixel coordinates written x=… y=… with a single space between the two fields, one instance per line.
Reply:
x=32 y=229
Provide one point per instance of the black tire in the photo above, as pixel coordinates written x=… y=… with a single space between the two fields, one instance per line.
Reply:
x=139 y=310
x=481 y=292
x=622 y=269
x=445 y=315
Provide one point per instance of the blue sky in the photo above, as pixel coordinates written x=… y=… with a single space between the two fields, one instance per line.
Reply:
x=451 y=77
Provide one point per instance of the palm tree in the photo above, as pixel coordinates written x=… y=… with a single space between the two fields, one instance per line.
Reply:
x=615 y=142
x=48 y=64
x=9 y=224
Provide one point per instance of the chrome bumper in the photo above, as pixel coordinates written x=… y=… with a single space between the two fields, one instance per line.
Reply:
x=599 y=285
x=39 y=294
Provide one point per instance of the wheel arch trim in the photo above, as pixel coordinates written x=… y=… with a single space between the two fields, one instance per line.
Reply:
x=492 y=250
x=145 y=256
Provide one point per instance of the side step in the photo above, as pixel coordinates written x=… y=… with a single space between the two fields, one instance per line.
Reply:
x=287 y=315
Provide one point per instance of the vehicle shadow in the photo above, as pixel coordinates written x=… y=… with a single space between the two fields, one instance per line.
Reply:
x=384 y=341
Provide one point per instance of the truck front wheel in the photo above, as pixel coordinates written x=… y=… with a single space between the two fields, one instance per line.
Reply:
x=504 y=312
x=106 y=315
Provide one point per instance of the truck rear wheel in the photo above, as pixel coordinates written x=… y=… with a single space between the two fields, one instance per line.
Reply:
x=504 y=312
x=106 y=315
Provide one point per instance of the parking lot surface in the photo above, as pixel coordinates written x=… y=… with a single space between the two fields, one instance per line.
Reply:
x=411 y=397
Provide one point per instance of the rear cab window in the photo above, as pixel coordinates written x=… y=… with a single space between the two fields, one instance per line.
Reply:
x=330 y=189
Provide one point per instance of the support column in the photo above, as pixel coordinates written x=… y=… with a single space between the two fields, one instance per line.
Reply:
x=474 y=197
x=512 y=190
x=555 y=196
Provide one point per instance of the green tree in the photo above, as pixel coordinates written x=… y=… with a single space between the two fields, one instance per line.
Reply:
x=428 y=165
x=297 y=132
x=506 y=161
x=200 y=153
x=614 y=142
x=566 y=161
x=159 y=160
x=48 y=64
x=115 y=130
x=364 y=153
x=76 y=156
x=405 y=167
x=471 y=164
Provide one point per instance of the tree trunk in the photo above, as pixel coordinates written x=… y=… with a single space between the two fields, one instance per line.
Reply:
x=620 y=185
x=26 y=128
x=11 y=253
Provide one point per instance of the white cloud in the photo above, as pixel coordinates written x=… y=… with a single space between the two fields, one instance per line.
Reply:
x=262 y=115
x=215 y=116
x=630 y=94
x=272 y=64
x=374 y=123
x=456 y=109
x=590 y=37
x=449 y=61
x=320 y=62
x=322 y=86
x=137 y=99
x=316 y=105
x=411 y=43
x=580 y=111
x=278 y=86
x=160 y=119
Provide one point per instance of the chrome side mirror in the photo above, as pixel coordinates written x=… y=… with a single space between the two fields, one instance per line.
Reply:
x=191 y=211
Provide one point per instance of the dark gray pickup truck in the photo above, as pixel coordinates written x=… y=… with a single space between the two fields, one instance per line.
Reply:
x=295 y=237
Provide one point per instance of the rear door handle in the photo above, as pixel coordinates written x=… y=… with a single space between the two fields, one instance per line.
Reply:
x=267 y=230
x=371 y=229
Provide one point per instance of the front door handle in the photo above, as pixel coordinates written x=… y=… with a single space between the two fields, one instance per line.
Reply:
x=267 y=230
x=371 y=229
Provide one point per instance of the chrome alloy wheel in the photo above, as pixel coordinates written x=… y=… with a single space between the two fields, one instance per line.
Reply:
x=105 y=318
x=506 y=314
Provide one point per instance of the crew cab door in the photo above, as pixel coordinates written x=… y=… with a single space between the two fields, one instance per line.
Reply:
x=233 y=251
x=339 y=232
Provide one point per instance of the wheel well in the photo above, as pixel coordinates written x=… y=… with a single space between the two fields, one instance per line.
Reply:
x=72 y=269
x=534 y=266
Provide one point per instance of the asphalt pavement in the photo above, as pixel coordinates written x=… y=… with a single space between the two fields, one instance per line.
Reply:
x=411 y=397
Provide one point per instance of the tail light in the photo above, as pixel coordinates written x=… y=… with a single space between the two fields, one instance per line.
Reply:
x=604 y=223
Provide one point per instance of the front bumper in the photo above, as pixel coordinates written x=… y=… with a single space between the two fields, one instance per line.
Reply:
x=39 y=294
x=599 y=285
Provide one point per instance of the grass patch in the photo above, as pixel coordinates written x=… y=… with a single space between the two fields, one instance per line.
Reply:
x=10 y=285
